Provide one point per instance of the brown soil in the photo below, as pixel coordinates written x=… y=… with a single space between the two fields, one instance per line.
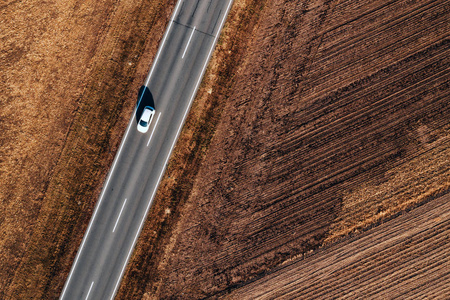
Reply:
x=191 y=148
x=95 y=57
x=405 y=258
x=316 y=119
x=69 y=80
x=336 y=120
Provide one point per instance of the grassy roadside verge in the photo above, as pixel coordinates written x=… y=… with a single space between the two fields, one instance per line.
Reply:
x=73 y=188
x=193 y=144
x=119 y=66
x=120 y=63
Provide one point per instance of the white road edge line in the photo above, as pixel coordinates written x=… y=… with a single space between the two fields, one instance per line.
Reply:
x=163 y=41
x=96 y=209
x=118 y=154
x=189 y=41
x=87 y=296
x=154 y=127
x=118 y=218
x=171 y=149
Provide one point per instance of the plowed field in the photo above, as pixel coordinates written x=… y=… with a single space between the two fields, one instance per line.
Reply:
x=317 y=120
x=405 y=258
x=337 y=120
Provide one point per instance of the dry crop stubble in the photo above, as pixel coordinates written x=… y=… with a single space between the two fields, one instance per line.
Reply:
x=339 y=121
x=71 y=73
x=406 y=258
x=39 y=97
x=147 y=261
x=333 y=108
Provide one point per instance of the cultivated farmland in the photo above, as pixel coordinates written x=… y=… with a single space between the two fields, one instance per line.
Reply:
x=406 y=258
x=70 y=72
x=337 y=120
x=317 y=120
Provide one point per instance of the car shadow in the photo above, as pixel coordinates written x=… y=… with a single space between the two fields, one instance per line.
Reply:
x=145 y=98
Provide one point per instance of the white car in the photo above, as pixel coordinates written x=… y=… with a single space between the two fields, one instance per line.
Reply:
x=146 y=119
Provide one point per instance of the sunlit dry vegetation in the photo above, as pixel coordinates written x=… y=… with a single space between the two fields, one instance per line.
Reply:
x=336 y=121
x=70 y=75
x=317 y=120
x=405 y=258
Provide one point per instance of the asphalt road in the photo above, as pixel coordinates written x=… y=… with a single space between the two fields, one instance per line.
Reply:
x=142 y=158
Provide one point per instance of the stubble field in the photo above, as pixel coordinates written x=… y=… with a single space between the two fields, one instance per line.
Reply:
x=337 y=120
x=69 y=72
x=317 y=120
x=405 y=258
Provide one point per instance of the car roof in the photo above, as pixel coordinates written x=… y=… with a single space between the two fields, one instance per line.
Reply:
x=146 y=113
